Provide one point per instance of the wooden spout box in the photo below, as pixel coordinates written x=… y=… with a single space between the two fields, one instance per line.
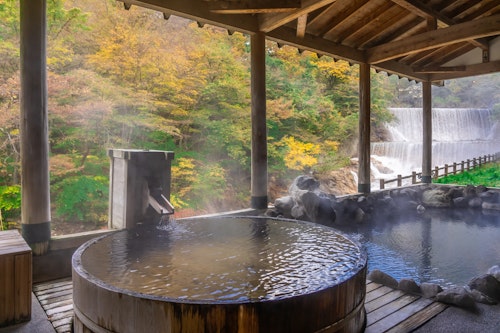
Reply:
x=15 y=278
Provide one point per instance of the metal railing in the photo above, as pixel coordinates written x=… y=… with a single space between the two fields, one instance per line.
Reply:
x=443 y=171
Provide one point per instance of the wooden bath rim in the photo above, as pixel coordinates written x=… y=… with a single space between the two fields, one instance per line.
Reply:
x=101 y=307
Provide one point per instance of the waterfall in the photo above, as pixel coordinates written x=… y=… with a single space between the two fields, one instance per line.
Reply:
x=457 y=135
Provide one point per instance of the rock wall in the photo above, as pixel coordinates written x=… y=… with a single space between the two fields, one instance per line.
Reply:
x=307 y=200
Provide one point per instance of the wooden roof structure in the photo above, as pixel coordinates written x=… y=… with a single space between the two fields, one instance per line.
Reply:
x=422 y=40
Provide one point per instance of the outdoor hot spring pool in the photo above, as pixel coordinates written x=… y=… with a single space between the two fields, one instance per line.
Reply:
x=443 y=246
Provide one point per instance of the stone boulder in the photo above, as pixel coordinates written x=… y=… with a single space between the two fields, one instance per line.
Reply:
x=456 y=296
x=490 y=206
x=430 y=290
x=486 y=284
x=436 y=198
x=490 y=196
x=380 y=277
x=495 y=272
x=409 y=286
x=304 y=182
x=284 y=205
x=475 y=203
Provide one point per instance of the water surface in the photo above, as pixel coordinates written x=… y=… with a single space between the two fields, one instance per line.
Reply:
x=444 y=246
x=225 y=259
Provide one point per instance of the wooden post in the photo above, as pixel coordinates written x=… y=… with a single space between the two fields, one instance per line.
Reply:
x=400 y=181
x=413 y=177
x=436 y=173
x=364 y=129
x=468 y=164
x=427 y=132
x=259 y=128
x=446 y=170
x=462 y=166
x=35 y=200
x=382 y=184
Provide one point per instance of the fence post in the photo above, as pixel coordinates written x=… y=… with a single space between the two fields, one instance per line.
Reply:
x=399 y=181
x=414 y=177
x=446 y=170
x=474 y=163
x=462 y=166
x=382 y=184
x=454 y=168
x=436 y=172
x=468 y=164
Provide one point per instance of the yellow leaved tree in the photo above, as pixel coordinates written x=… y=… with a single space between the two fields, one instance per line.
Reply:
x=300 y=156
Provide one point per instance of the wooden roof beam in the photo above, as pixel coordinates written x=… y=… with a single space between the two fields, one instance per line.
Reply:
x=349 y=7
x=285 y=35
x=423 y=10
x=399 y=69
x=470 y=70
x=199 y=11
x=427 y=12
x=252 y=6
x=484 y=27
x=438 y=69
x=269 y=22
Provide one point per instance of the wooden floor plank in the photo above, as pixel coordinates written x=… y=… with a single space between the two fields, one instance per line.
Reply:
x=59 y=309
x=51 y=285
x=57 y=294
x=62 y=322
x=54 y=290
x=419 y=318
x=383 y=300
x=390 y=308
x=377 y=293
x=64 y=329
x=58 y=304
x=372 y=286
x=398 y=316
x=60 y=315
x=47 y=302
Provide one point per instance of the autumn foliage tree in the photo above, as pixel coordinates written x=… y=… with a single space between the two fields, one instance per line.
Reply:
x=131 y=79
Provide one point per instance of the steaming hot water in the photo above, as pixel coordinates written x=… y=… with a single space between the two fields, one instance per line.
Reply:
x=224 y=259
x=443 y=246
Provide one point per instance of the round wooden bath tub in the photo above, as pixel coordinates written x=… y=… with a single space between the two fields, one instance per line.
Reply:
x=222 y=274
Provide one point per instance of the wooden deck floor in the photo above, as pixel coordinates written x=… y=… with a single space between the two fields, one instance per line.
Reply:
x=388 y=310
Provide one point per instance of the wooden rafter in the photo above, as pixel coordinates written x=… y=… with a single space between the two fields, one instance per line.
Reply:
x=252 y=6
x=449 y=69
x=391 y=35
x=427 y=12
x=314 y=44
x=484 y=27
x=269 y=22
x=470 y=70
x=301 y=26
x=199 y=11
x=349 y=7
x=385 y=23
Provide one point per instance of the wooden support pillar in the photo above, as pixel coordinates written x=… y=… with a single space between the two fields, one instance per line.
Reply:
x=427 y=133
x=364 y=129
x=35 y=200
x=259 y=127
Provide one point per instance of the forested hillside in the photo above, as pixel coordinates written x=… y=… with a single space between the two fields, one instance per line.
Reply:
x=132 y=79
